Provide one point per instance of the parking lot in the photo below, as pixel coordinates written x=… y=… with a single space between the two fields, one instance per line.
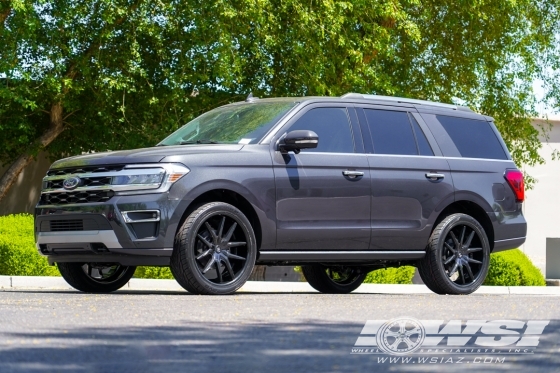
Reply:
x=173 y=331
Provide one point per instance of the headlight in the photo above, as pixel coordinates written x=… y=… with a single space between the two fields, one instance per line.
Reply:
x=149 y=179
x=143 y=177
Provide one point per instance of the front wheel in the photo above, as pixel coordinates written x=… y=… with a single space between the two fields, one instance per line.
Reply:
x=457 y=257
x=96 y=277
x=215 y=250
x=335 y=279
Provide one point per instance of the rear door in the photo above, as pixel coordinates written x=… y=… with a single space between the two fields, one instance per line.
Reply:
x=478 y=159
x=410 y=181
x=323 y=194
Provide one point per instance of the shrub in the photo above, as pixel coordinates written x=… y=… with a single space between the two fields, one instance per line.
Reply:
x=400 y=275
x=18 y=253
x=153 y=272
x=513 y=268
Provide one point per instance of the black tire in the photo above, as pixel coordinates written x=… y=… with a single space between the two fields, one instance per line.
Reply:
x=96 y=277
x=335 y=279
x=457 y=256
x=214 y=251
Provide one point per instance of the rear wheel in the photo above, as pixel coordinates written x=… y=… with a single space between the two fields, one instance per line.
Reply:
x=457 y=257
x=96 y=277
x=334 y=279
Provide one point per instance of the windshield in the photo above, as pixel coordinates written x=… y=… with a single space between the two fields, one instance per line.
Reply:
x=236 y=124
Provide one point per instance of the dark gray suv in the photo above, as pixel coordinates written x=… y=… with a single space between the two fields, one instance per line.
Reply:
x=341 y=186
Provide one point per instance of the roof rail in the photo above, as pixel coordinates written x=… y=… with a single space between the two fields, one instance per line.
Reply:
x=405 y=101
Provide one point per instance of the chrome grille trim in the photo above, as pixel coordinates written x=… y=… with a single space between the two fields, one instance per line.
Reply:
x=101 y=180
x=96 y=184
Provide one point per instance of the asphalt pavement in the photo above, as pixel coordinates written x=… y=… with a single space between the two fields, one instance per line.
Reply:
x=267 y=327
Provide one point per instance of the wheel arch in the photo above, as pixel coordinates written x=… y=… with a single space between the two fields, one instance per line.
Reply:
x=232 y=197
x=472 y=209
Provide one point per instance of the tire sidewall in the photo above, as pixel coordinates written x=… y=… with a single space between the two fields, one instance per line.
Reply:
x=449 y=224
x=235 y=214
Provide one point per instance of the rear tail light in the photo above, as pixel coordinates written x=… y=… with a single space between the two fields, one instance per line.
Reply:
x=514 y=177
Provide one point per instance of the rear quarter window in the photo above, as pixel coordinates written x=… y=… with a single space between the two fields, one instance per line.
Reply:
x=473 y=138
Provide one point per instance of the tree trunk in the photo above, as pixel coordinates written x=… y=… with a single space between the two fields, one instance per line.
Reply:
x=55 y=129
x=3 y=15
x=258 y=273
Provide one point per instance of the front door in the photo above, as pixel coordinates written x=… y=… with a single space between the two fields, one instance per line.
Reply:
x=323 y=194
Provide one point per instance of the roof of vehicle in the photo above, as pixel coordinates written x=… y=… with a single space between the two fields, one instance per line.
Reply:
x=372 y=99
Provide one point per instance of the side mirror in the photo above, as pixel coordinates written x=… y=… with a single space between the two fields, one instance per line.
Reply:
x=297 y=140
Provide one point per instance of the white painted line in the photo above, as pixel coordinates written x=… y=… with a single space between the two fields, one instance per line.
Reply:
x=534 y=290
x=277 y=287
x=493 y=290
x=39 y=282
x=152 y=284
x=5 y=282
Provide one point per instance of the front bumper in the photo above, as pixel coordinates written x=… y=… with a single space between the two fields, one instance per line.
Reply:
x=131 y=230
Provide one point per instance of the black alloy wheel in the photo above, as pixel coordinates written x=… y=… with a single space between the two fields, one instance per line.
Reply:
x=334 y=279
x=215 y=250
x=458 y=256
x=96 y=277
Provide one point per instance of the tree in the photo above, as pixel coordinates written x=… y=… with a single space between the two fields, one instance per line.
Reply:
x=97 y=75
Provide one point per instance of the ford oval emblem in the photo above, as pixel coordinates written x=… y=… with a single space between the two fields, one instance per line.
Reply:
x=71 y=183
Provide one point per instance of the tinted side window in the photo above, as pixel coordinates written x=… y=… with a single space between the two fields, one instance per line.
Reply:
x=473 y=138
x=423 y=145
x=391 y=132
x=332 y=127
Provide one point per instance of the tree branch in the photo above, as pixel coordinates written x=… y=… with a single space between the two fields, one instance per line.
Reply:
x=71 y=72
x=55 y=128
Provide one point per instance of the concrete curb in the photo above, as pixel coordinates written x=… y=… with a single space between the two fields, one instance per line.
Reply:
x=139 y=284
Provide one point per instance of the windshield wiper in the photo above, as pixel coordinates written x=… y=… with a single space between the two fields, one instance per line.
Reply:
x=203 y=141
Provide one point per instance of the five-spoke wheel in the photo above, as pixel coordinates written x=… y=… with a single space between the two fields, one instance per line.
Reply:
x=457 y=258
x=215 y=250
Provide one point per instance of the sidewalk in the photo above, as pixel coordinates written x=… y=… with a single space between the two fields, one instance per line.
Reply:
x=136 y=284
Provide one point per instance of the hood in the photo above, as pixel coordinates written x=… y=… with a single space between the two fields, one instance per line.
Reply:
x=145 y=155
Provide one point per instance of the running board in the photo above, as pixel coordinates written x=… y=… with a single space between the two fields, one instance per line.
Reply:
x=334 y=256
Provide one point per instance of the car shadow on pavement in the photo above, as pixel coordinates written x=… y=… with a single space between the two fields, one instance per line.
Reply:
x=269 y=347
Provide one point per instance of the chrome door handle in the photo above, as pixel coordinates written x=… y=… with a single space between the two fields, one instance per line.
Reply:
x=352 y=174
x=434 y=176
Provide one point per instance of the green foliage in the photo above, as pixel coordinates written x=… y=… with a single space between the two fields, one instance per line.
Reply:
x=18 y=254
x=153 y=272
x=400 y=275
x=513 y=268
x=129 y=73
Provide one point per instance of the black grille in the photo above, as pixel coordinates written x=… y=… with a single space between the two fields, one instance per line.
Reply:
x=66 y=225
x=76 y=197
x=85 y=182
x=84 y=170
